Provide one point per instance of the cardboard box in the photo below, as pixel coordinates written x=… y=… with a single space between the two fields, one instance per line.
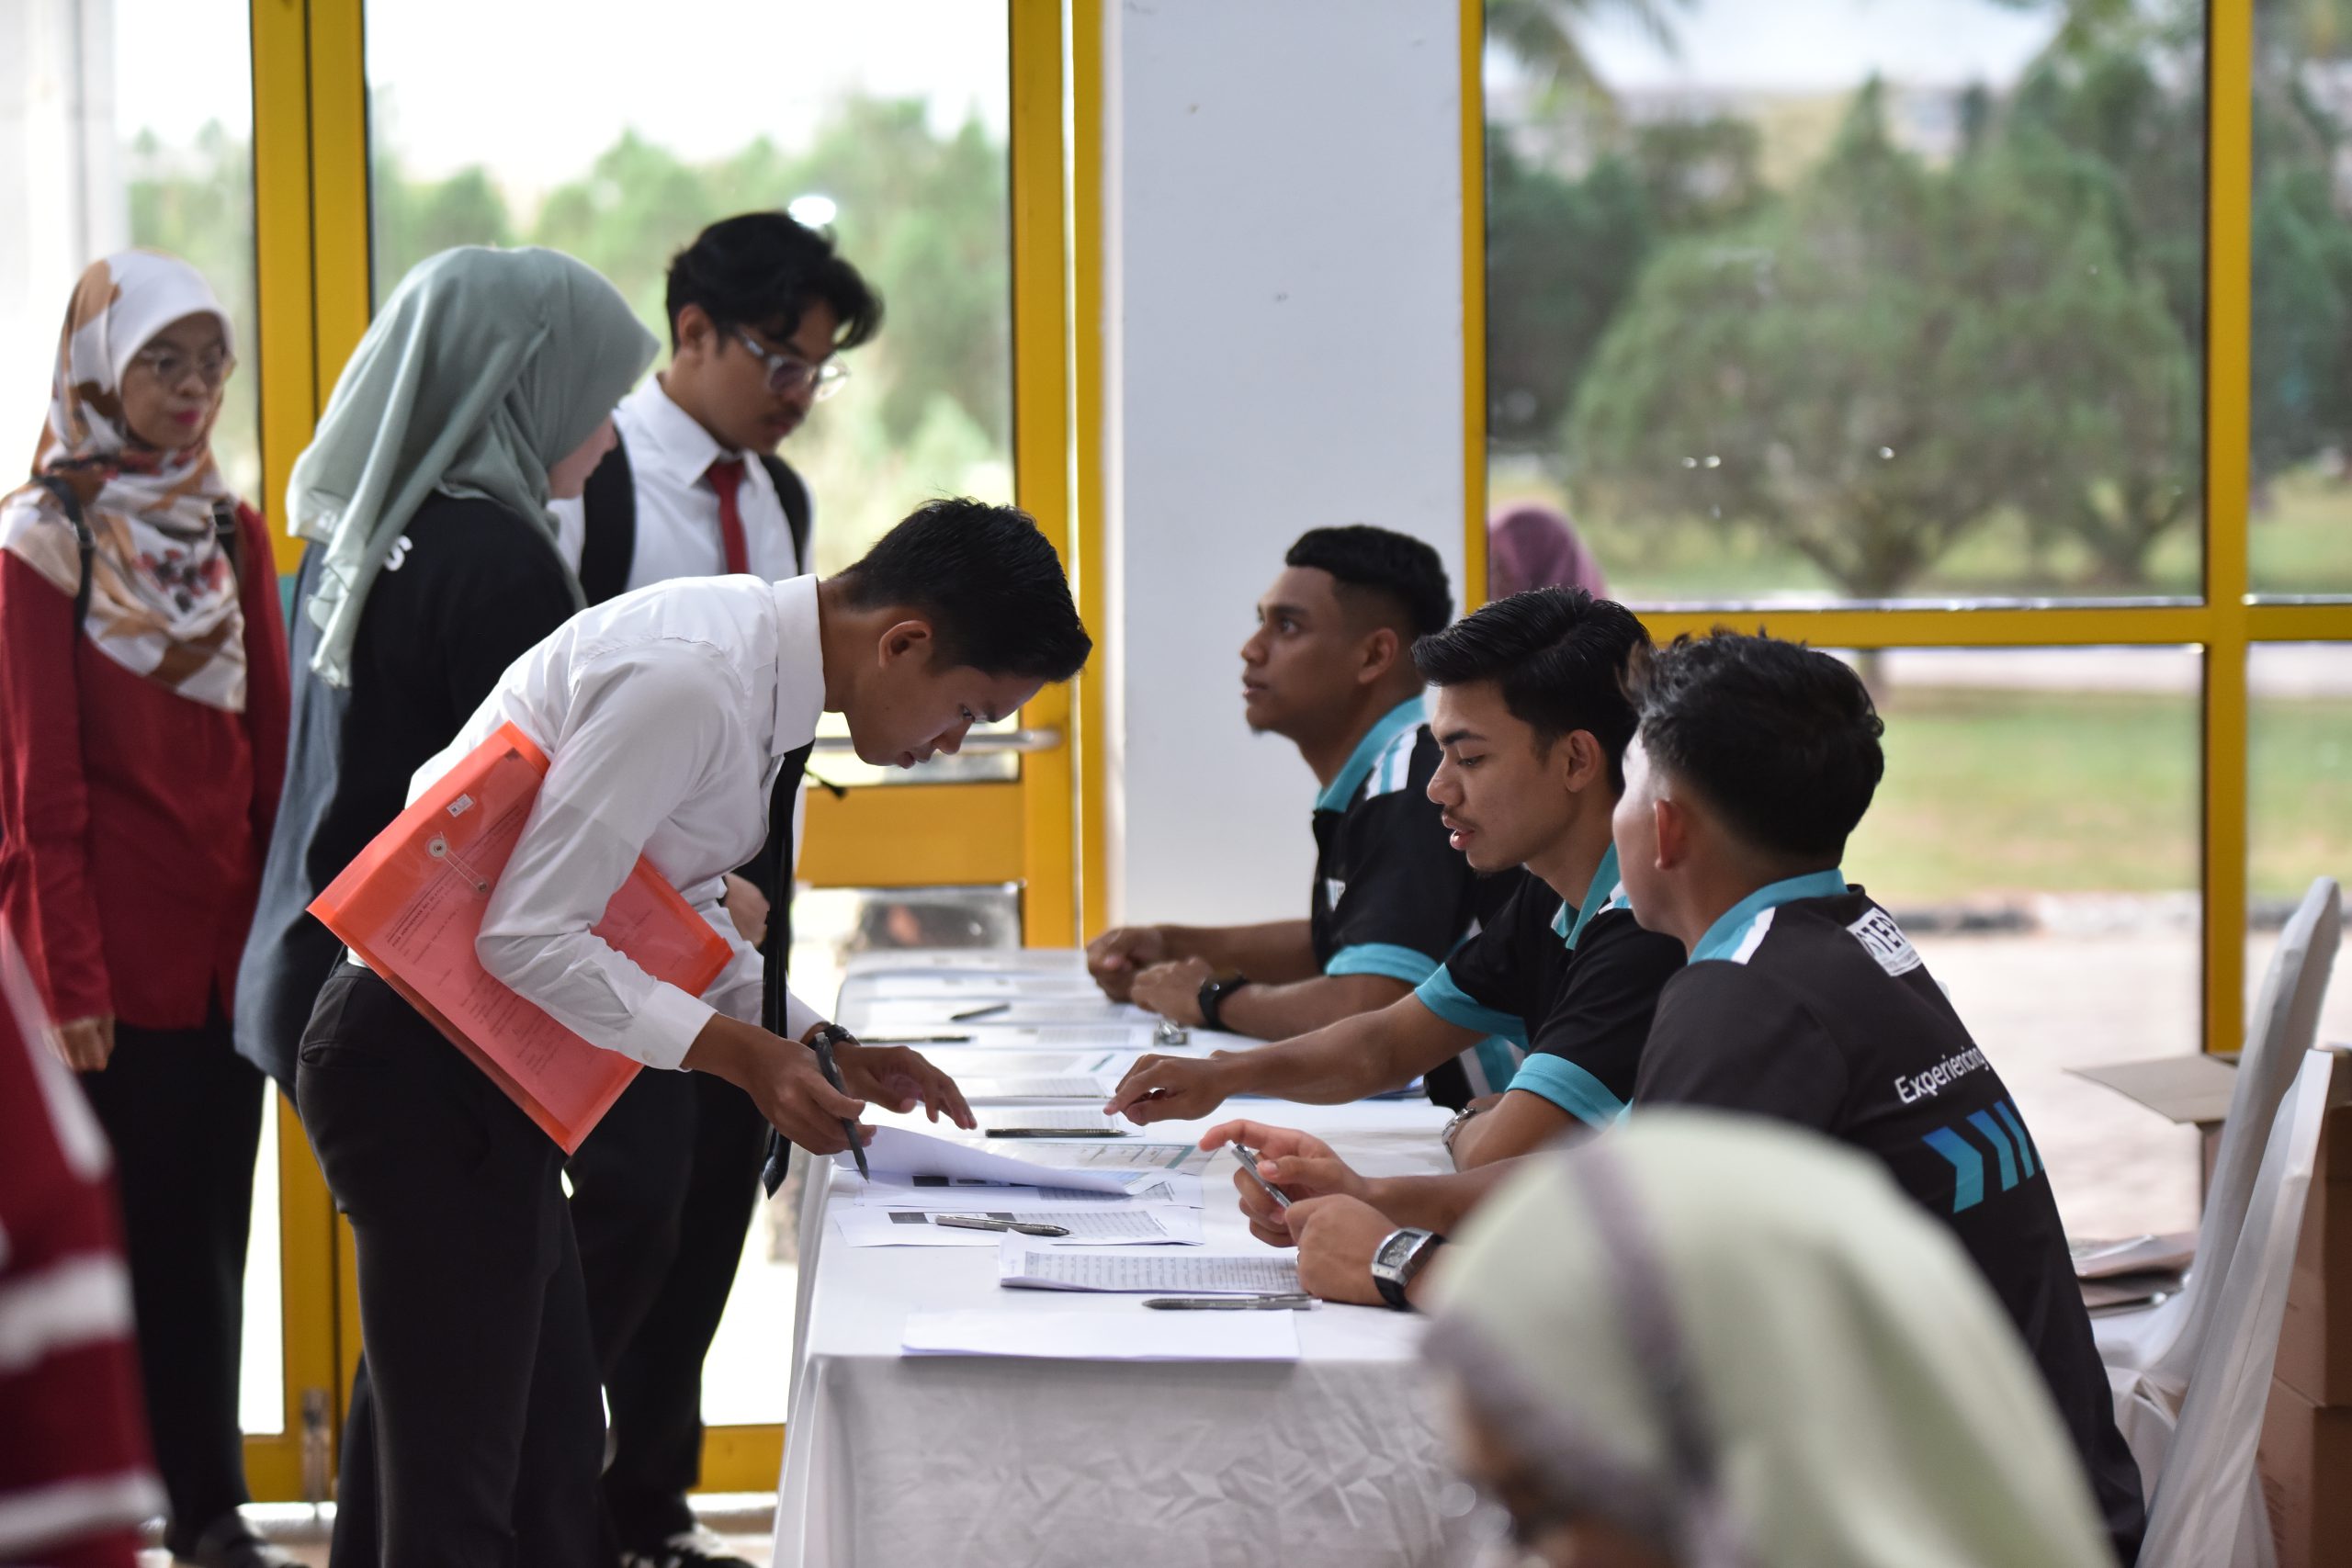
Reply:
x=2315 y=1339
x=2186 y=1091
x=2305 y=1459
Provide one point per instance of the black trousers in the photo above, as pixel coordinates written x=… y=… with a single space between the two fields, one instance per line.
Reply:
x=662 y=1194
x=483 y=1425
x=183 y=1113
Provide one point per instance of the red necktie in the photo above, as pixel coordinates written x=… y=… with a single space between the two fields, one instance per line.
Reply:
x=726 y=476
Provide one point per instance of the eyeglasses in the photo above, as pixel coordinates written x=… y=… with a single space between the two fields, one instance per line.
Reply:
x=790 y=373
x=171 y=366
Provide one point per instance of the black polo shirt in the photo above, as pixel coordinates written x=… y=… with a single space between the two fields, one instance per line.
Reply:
x=1391 y=895
x=1569 y=988
x=1807 y=1002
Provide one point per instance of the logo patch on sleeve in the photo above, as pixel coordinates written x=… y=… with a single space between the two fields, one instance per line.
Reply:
x=1886 y=941
x=1333 y=891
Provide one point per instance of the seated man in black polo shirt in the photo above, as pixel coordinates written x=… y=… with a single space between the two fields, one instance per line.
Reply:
x=1532 y=718
x=1330 y=669
x=1803 y=1001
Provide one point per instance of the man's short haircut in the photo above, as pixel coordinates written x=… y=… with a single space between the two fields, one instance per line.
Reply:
x=1560 y=656
x=764 y=270
x=1398 y=568
x=988 y=581
x=1780 y=741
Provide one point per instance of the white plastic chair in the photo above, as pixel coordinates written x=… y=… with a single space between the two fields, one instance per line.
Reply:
x=2163 y=1341
x=2207 y=1510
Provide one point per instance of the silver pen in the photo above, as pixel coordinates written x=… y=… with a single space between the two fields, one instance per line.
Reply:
x=990 y=1222
x=1295 y=1303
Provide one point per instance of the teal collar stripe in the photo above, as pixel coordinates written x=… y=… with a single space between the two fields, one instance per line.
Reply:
x=1569 y=1087
x=1723 y=938
x=1442 y=997
x=1607 y=892
x=1351 y=777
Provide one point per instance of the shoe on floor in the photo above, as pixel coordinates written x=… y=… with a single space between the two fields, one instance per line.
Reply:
x=230 y=1542
x=688 y=1549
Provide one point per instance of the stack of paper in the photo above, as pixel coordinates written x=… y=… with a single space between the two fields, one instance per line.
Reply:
x=1133 y=1334
x=1022 y=1264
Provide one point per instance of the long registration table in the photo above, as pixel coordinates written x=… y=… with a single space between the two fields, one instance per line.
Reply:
x=934 y=1462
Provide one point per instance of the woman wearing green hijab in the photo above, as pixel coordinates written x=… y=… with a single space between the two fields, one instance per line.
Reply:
x=1707 y=1341
x=481 y=391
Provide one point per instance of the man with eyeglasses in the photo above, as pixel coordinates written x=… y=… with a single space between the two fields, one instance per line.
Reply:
x=664 y=1191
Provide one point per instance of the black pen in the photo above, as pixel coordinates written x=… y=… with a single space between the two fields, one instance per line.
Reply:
x=822 y=1043
x=988 y=1011
x=1231 y=1304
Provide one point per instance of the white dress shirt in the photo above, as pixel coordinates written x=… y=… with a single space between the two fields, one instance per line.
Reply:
x=670 y=456
x=664 y=714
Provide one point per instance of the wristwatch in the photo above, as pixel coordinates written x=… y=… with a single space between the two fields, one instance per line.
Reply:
x=1212 y=994
x=1401 y=1255
x=1453 y=1129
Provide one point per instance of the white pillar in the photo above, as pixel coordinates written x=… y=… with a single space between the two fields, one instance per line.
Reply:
x=62 y=198
x=1282 y=350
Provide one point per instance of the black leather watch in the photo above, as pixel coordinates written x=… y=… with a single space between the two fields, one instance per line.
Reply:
x=1212 y=997
x=1401 y=1255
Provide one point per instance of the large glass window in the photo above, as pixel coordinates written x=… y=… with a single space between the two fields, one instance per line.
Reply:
x=1849 y=300
x=540 y=124
x=2301 y=388
x=2036 y=834
x=2299 y=800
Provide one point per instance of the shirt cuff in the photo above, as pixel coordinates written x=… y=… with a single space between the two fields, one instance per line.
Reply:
x=666 y=1027
x=1382 y=958
x=799 y=1018
x=1450 y=1002
x=1569 y=1087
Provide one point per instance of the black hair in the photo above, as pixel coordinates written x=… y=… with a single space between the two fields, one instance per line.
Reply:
x=765 y=269
x=988 y=581
x=1560 y=656
x=1781 y=739
x=1383 y=561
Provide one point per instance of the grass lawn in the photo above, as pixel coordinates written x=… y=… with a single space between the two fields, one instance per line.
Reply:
x=2302 y=543
x=1991 y=793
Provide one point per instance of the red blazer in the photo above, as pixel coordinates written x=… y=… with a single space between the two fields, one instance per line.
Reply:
x=132 y=820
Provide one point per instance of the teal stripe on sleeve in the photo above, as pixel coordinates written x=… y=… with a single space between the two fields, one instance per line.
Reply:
x=1450 y=1002
x=1490 y=1064
x=1570 y=1088
x=1383 y=958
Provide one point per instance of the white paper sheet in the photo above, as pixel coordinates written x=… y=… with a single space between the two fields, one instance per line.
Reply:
x=949 y=1198
x=1022 y=1264
x=1138 y=1334
x=980 y=1087
x=899 y=1151
x=1128 y=1154
x=1068 y=1121
x=1107 y=1224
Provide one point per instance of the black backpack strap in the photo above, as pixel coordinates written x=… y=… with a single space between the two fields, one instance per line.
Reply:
x=608 y=528
x=231 y=539
x=85 y=543
x=794 y=496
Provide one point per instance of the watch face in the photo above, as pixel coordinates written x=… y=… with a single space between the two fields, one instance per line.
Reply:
x=1396 y=1250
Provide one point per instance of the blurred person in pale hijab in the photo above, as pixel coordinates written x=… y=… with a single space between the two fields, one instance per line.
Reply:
x=1709 y=1341
x=1537 y=546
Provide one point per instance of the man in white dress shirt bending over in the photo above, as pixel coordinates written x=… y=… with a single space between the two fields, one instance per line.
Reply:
x=761 y=310
x=666 y=715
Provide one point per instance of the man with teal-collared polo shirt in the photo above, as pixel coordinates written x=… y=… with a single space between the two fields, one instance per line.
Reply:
x=1329 y=668
x=1804 y=1001
x=1532 y=720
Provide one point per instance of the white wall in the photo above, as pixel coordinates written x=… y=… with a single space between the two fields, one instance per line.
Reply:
x=1283 y=294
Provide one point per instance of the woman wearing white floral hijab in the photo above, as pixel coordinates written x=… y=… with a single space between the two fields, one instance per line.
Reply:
x=143 y=739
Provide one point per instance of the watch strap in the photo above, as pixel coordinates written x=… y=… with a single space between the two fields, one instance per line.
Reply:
x=1211 y=999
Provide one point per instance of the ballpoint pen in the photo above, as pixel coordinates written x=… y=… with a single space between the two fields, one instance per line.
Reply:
x=821 y=1043
x=990 y=1222
x=988 y=1011
x=1231 y=1304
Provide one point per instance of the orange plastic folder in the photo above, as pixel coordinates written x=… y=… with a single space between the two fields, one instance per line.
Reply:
x=411 y=904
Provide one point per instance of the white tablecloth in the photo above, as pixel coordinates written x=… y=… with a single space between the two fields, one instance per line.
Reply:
x=892 y=1462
